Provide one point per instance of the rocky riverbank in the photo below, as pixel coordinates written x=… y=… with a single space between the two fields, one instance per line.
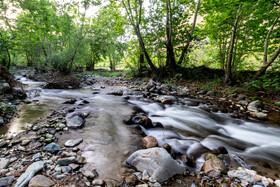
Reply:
x=35 y=158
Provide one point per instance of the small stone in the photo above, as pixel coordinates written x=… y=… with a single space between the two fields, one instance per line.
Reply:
x=88 y=174
x=261 y=115
x=52 y=147
x=138 y=175
x=25 y=142
x=73 y=143
x=167 y=147
x=58 y=169
x=74 y=166
x=145 y=175
x=36 y=156
x=60 y=176
x=4 y=163
x=61 y=125
x=277 y=183
x=66 y=161
x=49 y=136
x=87 y=183
x=35 y=128
x=97 y=182
x=3 y=144
x=40 y=181
x=6 y=181
x=66 y=169
x=131 y=180
x=149 y=142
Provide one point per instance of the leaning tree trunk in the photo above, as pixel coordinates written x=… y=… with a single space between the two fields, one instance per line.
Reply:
x=266 y=63
x=264 y=67
x=141 y=64
x=232 y=40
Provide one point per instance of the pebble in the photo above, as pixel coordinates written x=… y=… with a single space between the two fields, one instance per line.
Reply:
x=25 y=142
x=6 y=181
x=88 y=174
x=4 y=163
x=73 y=143
x=40 y=181
x=60 y=176
x=52 y=147
x=66 y=161
x=66 y=169
x=97 y=182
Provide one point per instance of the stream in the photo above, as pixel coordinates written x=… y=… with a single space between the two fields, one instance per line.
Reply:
x=187 y=128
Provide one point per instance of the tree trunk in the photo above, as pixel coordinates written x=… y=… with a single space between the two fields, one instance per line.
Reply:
x=141 y=63
x=266 y=63
x=262 y=70
x=232 y=40
x=190 y=36
x=9 y=57
x=171 y=62
x=136 y=27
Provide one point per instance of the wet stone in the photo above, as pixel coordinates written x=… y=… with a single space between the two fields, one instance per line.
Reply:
x=73 y=143
x=3 y=144
x=25 y=142
x=24 y=179
x=66 y=161
x=4 y=163
x=52 y=147
x=40 y=181
x=6 y=181
x=66 y=169
x=75 y=120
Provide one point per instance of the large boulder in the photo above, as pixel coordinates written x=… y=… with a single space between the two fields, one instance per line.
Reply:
x=24 y=179
x=157 y=162
x=75 y=120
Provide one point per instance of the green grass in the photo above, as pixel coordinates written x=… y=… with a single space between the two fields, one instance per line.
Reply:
x=108 y=73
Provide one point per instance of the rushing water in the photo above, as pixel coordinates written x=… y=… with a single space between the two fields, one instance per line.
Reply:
x=188 y=129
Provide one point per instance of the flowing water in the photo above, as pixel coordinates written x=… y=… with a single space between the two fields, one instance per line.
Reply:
x=188 y=129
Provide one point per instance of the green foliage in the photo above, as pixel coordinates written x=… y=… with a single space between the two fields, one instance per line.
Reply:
x=6 y=109
x=271 y=80
x=212 y=84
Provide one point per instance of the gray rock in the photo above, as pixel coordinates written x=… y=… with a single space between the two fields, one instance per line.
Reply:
x=4 y=163
x=261 y=115
x=74 y=166
x=138 y=175
x=158 y=163
x=24 y=179
x=40 y=181
x=58 y=169
x=52 y=147
x=150 y=85
x=25 y=142
x=60 y=176
x=66 y=169
x=4 y=87
x=75 y=120
x=145 y=175
x=66 y=161
x=3 y=144
x=255 y=106
x=97 y=182
x=242 y=174
x=88 y=174
x=1 y=120
x=6 y=181
x=36 y=156
x=277 y=183
x=73 y=143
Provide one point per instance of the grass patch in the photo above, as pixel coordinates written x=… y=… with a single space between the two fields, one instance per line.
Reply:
x=108 y=73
